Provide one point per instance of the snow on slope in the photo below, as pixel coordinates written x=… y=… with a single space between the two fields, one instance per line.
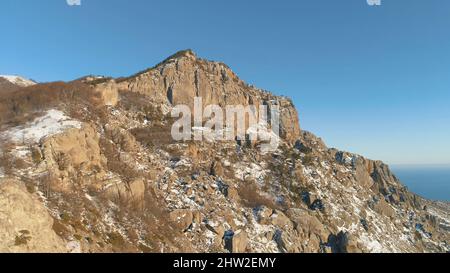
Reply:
x=16 y=80
x=52 y=123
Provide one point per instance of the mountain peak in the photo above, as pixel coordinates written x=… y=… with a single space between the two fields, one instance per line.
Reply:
x=184 y=53
x=18 y=80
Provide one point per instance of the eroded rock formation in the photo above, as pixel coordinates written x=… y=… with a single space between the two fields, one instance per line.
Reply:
x=103 y=174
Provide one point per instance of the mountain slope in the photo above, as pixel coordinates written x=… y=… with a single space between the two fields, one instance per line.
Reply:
x=98 y=154
x=16 y=81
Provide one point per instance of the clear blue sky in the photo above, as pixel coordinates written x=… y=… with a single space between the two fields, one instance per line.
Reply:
x=371 y=80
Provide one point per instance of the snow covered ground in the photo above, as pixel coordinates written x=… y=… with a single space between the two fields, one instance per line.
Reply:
x=52 y=123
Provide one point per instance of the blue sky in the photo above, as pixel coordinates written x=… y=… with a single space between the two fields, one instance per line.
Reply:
x=370 y=80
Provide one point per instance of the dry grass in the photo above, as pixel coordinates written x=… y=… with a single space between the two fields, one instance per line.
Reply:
x=154 y=136
x=9 y=163
x=23 y=238
x=22 y=105
x=135 y=102
x=112 y=154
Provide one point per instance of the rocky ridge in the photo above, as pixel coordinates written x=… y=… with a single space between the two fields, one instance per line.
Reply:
x=8 y=80
x=95 y=159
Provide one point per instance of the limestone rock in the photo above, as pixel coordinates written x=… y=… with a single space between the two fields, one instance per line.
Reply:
x=124 y=139
x=216 y=169
x=263 y=214
x=183 y=218
x=240 y=241
x=280 y=220
x=108 y=93
x=183 y=76
x=120 y=183
x=76 y=150
x=25 y=224
x=309 y=225
x=382 y=207
x=235 y=242
x=133 y=191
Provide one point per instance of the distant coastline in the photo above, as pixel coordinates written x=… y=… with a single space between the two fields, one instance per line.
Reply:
x=431 y=181
x=415 y=166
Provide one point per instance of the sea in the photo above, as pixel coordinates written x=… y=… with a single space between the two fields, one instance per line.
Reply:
x=429 y=181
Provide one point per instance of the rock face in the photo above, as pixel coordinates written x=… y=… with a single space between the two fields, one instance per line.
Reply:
x=183 y=218
x=133 y=191
x=108 y=93
x=25 y=224
x=93 y=168
x=183 y=76
x=235 y=242
x=75 y=152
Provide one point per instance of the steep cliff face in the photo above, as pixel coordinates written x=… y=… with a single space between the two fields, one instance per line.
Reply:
x=113 y=179
x=183 y=76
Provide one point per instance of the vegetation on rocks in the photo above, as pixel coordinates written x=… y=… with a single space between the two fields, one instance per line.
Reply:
x=108 y=177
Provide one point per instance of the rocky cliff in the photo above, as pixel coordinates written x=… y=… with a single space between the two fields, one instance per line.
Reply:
x=183 y=76
x=96 y=169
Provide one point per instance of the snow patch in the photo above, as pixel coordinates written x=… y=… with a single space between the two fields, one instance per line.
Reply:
x=21 y=152
x=18 y=80
x=372 y=245
x=52 y=123
x=253 y=170
x=74 y=247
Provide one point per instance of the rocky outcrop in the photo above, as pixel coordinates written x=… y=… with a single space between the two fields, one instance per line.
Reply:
x=235 y=242
x=132 y=192
x=25 y=224
x=183 y=76
x=183 y=218
x=108 y=93
x=73 y=153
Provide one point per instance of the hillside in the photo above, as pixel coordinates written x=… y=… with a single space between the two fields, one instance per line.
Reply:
x=7 y=81
x=90 y=166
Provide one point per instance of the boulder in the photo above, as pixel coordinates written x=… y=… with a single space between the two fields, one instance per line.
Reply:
x=309 y=225
x=183 y=218
x=197 y=216
x=235 y=242
x=216 y=169
x=281 y=240
x=240 y=241
x=317 y=205
x=233 y=193
x=263 y=214
x=133 y=191
x=280 y=220
x=382 y=207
